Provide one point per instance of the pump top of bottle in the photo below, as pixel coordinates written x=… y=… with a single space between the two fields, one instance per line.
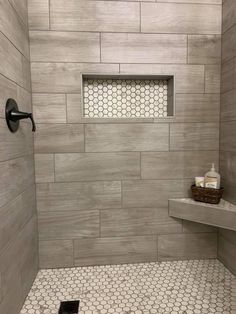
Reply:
x=213 y=167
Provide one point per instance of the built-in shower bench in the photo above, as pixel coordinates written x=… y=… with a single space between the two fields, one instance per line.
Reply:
x=222 y=215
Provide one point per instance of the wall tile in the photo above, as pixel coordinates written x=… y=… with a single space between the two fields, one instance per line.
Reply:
x=46 y=46
x=22 y=170
x=15 y=145
x=64 y=77
x=38 y=11
x=187 y=246
x=44 y=168
x=228 y=174
x=78 y=196
x=197 y=107
x=92 y=16
x=126 y=137
x=56 y=138
x=97 y=166
x=56 y=253
x=212 y=78
x=102 y=251
x=228 y=75
x=227 y=249
x=228 y=108
x=197 y=136
x=21 y=9
x=227 y=136
x=180 y=18
x=14 y=66
x=144 y=48
x=194 y=1
x=176 y=165
x=153 y=193
x=68 y=224
x=137 y=221
x=188 y=78
x=15 y=214
x=13 y=28
x=229 y=14
x=228 y=44
x=204 y=49
x=49 y=108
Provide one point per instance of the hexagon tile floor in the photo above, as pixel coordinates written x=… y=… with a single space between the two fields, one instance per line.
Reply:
x=199 y=286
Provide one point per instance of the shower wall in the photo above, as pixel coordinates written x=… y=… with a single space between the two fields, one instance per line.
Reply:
x=18 y=224
x=103 y=184
x=227 y=239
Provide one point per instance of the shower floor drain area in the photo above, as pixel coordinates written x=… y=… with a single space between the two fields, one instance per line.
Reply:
x=69 y=307
x=178 y=287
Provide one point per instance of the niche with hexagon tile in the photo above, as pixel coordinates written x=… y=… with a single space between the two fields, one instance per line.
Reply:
x=127 y=96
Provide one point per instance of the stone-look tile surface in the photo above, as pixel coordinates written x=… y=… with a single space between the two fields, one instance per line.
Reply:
x=38 y=14
x=169 y=287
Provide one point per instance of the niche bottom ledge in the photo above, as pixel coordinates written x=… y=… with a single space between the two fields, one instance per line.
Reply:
x=222 y=215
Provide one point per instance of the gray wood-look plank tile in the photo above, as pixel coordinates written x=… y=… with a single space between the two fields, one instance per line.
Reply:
x=153 y=193
x=59 y=138
x=92 y=16
x=126 y=137
x=74 y=196
x=49 y=108
x=38 y=12
x=197 y=107
x=21 y=9
x=204 y=49
x=15 y=145
x=188 y=78
x=212 y=78
x=49 y=46
x=194 y=136
x=228 y=108
x=187 y=246
x=44 y=168
x=177 y=165
x=22 y=170
x=193 y=227
x=227 y=138
x=68 y=224
x=143 y=48
x=228 y=174
x=97 y=166
x=228 y=15
x=117 y=250
x=180 y=18
x=65 y=77
x=137 y=221
x=193 y=1
x=228 y=44
x=56 y=253
x=227 y=249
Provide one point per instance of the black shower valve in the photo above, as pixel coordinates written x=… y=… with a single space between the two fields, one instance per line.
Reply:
x=13 y=116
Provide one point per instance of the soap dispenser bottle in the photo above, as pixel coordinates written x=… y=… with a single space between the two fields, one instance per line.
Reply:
x=212 y=179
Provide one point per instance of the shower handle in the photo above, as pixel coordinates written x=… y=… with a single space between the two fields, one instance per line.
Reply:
x=13 y=116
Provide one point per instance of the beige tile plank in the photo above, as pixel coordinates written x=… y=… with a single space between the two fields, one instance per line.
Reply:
x=227 y=249
x=188 y=78
x=228 y=108
x=180 y=18
x=193 y=227
x=228 y=14
x=212 y=79
x=49 y=46
x=65 y=77
x=44 y=168
x=228 y=44
x=21 y=9
x=56 y=253
x=228 y=136
x=138 y=221
x=228 y=75
x=49 y=108
x=187 y=246
x=97 y=166
x=92 y=16
x=38 y=12
x=68 y=224
x=153 y=193
x=117 y=250
x=204 y=49
x=143 y=48
x=197 y=136
x=176 y=165
x=74 y=196
x=228 y=174
x=126 y=137
x=59 y=138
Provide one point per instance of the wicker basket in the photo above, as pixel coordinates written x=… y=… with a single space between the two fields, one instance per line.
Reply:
x=207 y=195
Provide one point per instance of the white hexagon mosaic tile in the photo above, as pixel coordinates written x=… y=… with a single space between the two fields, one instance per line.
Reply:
x=123 y=98
x=186 y=287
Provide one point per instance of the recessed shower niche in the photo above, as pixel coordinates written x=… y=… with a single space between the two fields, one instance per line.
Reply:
x=114 y=96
